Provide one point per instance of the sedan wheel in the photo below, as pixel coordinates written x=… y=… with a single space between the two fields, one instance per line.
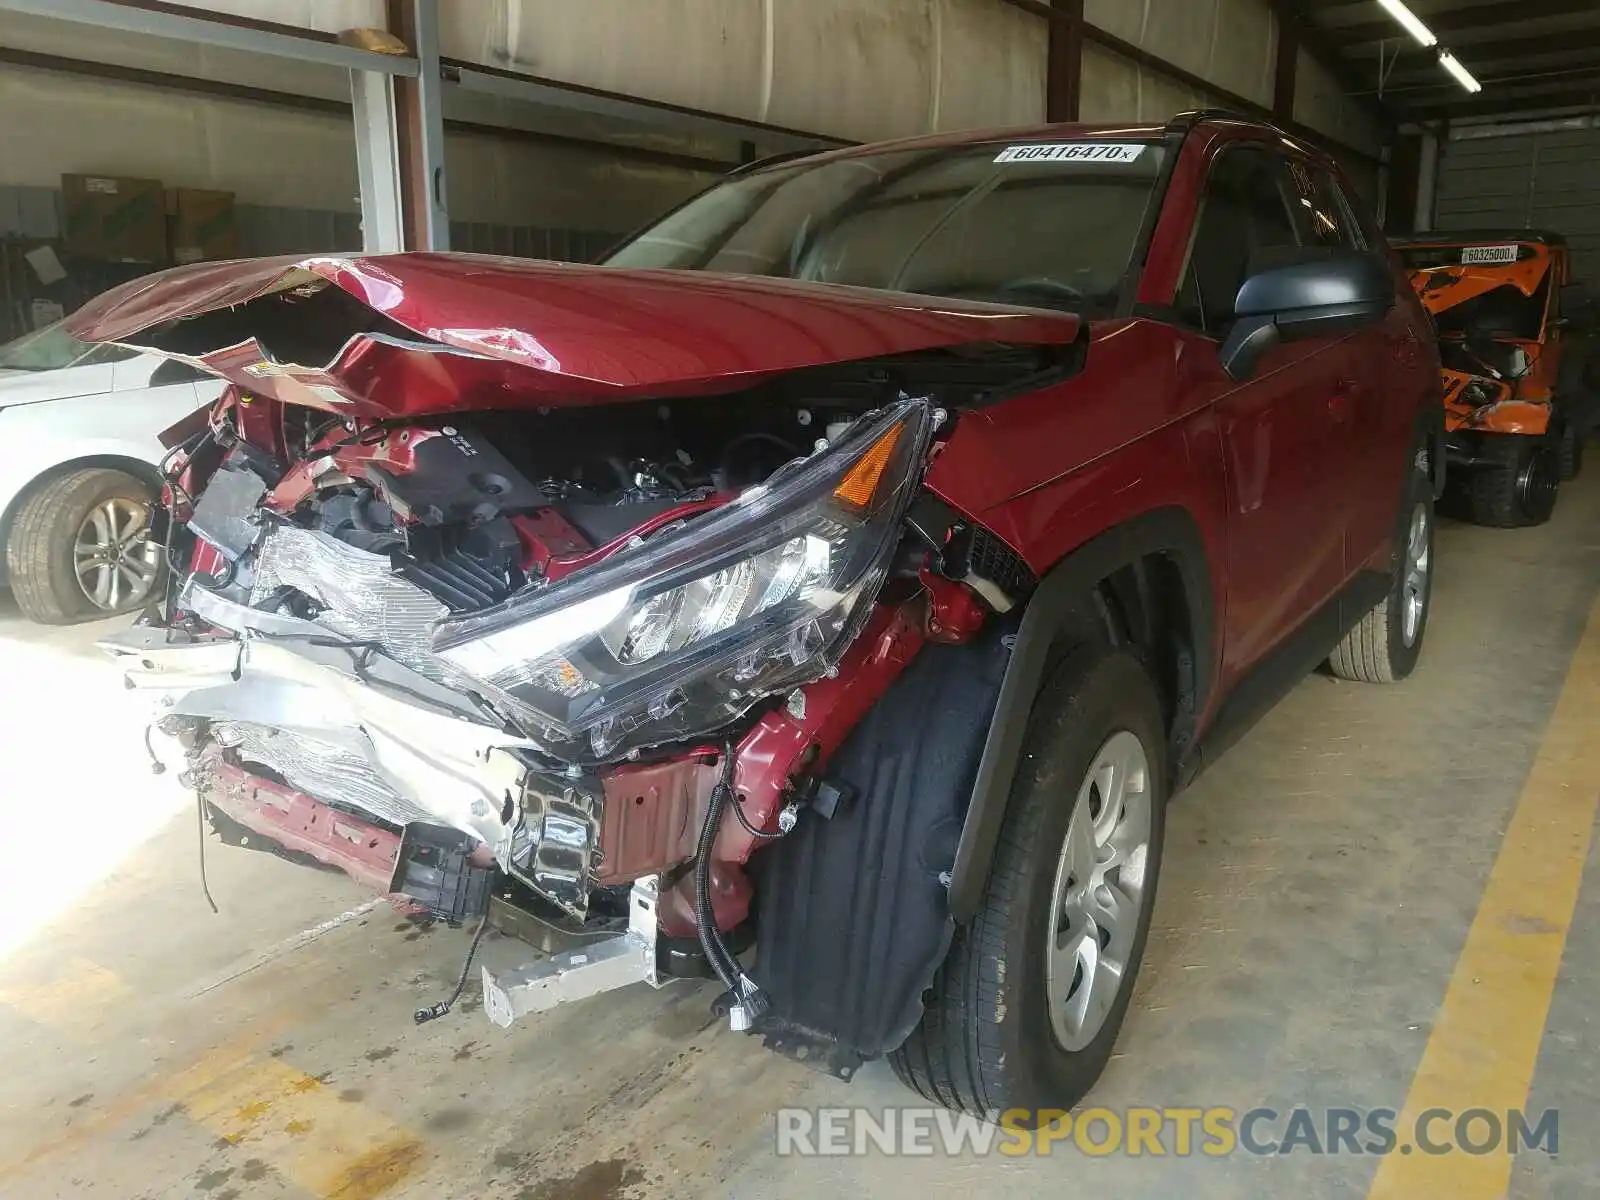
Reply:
x=80 y=548
x=115 y=561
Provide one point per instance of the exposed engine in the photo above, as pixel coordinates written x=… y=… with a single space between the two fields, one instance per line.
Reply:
x=468 y=515
x=473 y=514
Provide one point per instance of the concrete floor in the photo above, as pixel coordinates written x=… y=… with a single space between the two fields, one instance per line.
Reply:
x=1320 y=883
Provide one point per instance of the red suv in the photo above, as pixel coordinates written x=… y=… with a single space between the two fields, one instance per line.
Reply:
x=825 y=594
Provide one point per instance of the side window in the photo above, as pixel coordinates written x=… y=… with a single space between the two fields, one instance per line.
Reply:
x=1321 y=209
x=1245 y=226
x=173 y=371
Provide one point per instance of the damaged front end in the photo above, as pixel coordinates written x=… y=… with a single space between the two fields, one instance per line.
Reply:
x=565 y=666
x=327 y=647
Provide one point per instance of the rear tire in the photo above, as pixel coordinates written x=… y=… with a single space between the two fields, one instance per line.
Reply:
x=1012 y=1019
x=57 y=573
x=1571 y=449
x=1519 y=488
x=1385 y=644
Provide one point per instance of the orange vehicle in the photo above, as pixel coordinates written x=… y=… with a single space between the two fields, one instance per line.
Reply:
x=1517 y=402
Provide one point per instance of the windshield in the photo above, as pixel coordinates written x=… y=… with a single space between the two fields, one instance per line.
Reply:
x=1052 y=225
x=52 y=348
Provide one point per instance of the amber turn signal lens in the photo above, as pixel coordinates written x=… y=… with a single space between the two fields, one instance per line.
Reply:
x=860 y=484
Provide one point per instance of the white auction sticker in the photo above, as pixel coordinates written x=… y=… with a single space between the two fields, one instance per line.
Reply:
x=1480 y=256
x=1100 y=152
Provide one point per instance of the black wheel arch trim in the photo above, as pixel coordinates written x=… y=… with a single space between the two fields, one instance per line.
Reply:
x=1170 y=532
x=1439 y=458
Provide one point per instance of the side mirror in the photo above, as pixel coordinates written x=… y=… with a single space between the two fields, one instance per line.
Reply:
x=1324 y=295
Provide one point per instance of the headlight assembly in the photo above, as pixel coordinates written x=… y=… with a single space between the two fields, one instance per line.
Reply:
x=676 y=637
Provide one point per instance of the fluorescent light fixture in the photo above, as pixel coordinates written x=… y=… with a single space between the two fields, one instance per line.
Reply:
x=1412 y=23
x=1462 y=76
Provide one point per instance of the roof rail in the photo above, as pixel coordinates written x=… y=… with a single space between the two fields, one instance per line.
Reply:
x=1186 y=121
x=772 y=160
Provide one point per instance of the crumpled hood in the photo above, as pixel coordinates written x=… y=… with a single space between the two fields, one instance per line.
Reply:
x=409 y=334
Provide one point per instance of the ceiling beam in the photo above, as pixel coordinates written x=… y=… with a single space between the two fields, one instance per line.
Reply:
x=177 y=22
x=1502 y=50
x=1458 y=20
x=1568 y=74
x=1569 y=96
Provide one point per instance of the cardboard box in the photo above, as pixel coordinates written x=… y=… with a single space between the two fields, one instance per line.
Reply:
x=115 y=219
x=200 y=225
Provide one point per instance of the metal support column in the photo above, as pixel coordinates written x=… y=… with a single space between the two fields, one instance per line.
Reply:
x=1285 y=72
x=419 y=105
x=1064 y=62
x=1427 y=182
x=377 y=162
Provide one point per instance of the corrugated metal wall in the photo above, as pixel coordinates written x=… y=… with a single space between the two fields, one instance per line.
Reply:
x=1528 y=180
x=856 y=69
x=330 y=16
x=1231 y=43
x=1320 y=102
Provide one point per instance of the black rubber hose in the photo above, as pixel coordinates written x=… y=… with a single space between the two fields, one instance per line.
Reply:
x=434 y=1011
x=759 y=834
x=705 y=917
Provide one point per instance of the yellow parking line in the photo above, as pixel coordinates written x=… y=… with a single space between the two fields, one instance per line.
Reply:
x=118 y=1110
x=77 y=998
x=1485 y=1039
x=332 y=1148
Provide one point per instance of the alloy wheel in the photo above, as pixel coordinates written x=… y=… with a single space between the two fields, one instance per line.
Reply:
x=1414 y=588
x=113 y=558
x=1099 y=895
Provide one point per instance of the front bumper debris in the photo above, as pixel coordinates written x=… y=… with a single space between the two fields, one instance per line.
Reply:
x=587 y=971
x=434 y=868
x=354 y=727
x=243 y=805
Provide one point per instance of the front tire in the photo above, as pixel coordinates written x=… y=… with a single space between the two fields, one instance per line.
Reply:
x=79 y=548
x=1025 y=1010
